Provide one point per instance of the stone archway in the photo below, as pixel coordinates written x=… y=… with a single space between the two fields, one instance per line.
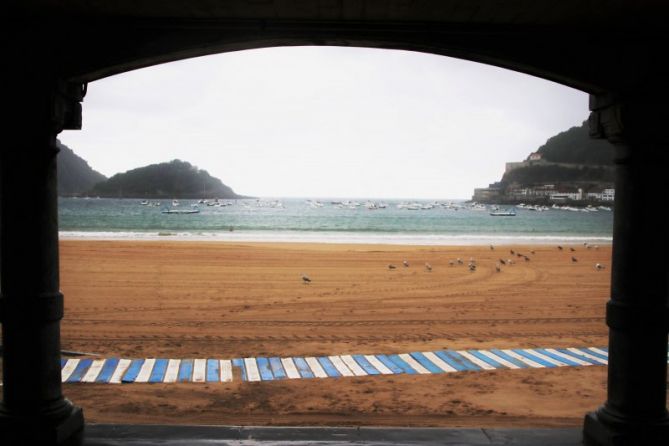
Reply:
x=615 y=53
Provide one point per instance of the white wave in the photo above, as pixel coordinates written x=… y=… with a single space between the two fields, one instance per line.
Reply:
x=338 y=237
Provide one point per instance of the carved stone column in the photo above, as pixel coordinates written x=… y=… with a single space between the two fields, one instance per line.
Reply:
x=33 y=410
x=635 y=412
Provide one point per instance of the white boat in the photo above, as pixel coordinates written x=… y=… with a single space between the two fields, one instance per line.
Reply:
x=506 y=213
x=180 y=211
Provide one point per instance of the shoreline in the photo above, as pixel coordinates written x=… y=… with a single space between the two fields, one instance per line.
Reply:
x=332 y=238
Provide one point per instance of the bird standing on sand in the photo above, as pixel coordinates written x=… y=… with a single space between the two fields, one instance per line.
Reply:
x=391 y=266
x=574 y=259
x=502 y=261
x=492 y=248
x=405 y=263
x=472 y=267
x=527 y=259
x=560 y=248
x=451 y=262
x=428 y=267
x=459 y=260
x=572 y=249
x=512 y=252
x=305 y=279
x=599 y=267
x=498 y=267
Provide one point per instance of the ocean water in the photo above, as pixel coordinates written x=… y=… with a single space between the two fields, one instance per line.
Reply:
x=415 y=222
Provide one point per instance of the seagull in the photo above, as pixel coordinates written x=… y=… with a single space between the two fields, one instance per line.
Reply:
x=532 y=252
x=451 y=262
x=405 y=263
x=509 y=262
x=560 y=248
x=574 y=259
x=572 y=249
x=512 y=252
x=305 y=279
x=428 y=267
x=459 y=260
x=472 y=267
x=502 y=261
x=498 y=267
x=391 y=266
x=599 y=266
x=492 y=248
x=527 y=259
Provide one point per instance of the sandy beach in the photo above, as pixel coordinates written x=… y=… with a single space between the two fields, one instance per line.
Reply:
x=139 y=299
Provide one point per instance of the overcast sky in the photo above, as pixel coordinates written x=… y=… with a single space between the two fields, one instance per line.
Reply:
x=326 y=122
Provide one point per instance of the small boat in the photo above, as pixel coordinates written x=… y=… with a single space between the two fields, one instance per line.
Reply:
x=144 y=202
x=180 y=211
x=507 y=213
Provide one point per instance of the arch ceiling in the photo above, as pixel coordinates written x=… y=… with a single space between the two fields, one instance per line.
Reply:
x=593 y=45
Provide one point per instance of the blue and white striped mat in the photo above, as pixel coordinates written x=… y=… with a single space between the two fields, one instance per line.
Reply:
x=116 y=371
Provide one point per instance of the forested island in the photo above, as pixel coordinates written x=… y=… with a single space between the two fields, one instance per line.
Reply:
x=174 y=179
x=75 y=176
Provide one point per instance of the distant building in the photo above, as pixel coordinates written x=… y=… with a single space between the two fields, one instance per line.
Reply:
x=534 y=156
x=487 y=194
x=608 y=194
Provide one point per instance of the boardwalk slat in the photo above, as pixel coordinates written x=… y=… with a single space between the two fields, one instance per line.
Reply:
x=413 y=364
x=341 y=366
x=499 y=359
x=315 y=367
x=213 y=374
x=68 y=369
x=600 y=351
x=510 y=357
x=289 y=367
x=390 y=364
x=488 y=360
x=303 y=368
x=264 y=369
x=277 y=368
x=172 y=372
x=378 y=365
x=353 y=366
x=365 y=364
x=436 y=360
x=399 y=362
x=226 y=370
x=133 y=370
x=239 y=363
x=79 y=371
x=185 y=371
x=429 y=365
x=542 y=353
x=145 y=372
x=93 y=371
x=107 y=370
x=567 y=358
x=158 y=372
x=544 y=357
x=456 y=358
x=252 y=372
x=200 y=371
x=584 y=354
x=329 y=367
x=120 y=370
x=531 y=359
x=472 y=358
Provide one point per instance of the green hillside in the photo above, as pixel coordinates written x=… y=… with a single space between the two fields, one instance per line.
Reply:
x=175 y=179
x=575 y=146
x=75 y=176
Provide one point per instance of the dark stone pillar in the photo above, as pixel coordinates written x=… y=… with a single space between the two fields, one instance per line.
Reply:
x=33 y=409
x=635 y=412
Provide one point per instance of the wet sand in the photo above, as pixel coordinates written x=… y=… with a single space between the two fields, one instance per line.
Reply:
x=139 y=299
